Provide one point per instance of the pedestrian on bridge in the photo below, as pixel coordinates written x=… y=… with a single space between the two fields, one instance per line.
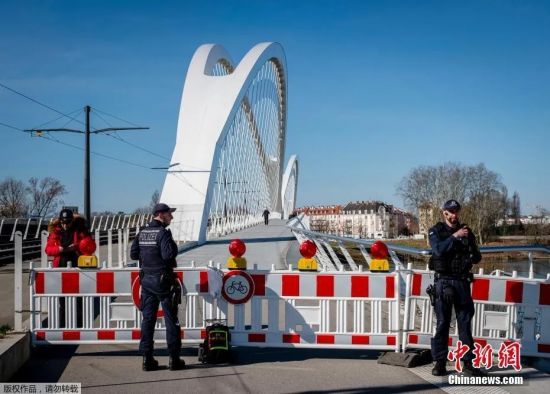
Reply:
x=156 y=251
x=266 y=216
x=66 y=232
x=454 y=250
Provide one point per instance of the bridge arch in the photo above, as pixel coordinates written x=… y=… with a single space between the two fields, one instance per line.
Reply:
x=289 y=186
x=227 y=163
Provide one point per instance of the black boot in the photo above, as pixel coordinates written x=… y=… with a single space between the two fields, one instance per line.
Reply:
x=149 y=363
x=439 y=368
x=470 y=370
x=175 y=363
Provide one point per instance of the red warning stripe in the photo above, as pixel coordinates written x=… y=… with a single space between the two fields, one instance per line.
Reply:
x=416 y=284
x=514 y=291
x=360 y=339
x=71 y=335
x=291 y=285
x=70 y=282
x=359 y=286
x=39 y=283
x=203 y=282
x=480 y=289
x=544 y=294
x=259 y=285
x=390 y=286
x=325 y=285
x=291 y=338
x=325 y=338
x=105 y=282
x=256 y=337
x=106 y=334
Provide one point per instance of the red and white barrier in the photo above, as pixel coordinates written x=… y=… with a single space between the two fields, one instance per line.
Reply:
x=507 y=309
x=291 y=308
x=287 y=308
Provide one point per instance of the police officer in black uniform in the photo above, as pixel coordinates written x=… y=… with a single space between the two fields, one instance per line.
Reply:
x=454 y=250
x=156 y=251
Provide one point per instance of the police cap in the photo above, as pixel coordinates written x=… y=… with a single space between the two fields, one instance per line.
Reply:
x=451 y=205
x=161 y=207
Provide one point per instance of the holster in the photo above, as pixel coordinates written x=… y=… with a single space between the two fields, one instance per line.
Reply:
x=430 y=290
x=175 y=293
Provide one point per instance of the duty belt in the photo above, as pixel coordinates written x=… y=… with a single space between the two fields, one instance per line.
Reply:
x=469 y=277
x=158 y=271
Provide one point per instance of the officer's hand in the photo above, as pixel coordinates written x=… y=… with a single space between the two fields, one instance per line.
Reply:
x=462 y=233
x=448 y=295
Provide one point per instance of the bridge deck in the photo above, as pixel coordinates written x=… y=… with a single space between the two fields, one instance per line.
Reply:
x=265 y=246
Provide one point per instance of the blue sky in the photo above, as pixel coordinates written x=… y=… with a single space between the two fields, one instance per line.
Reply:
x=375 y=89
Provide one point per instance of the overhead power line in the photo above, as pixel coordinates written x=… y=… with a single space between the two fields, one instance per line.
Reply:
x=11 y=127
x=38 y=102
x=53 y=139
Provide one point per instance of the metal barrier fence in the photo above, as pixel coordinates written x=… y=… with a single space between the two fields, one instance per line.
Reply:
x=333 y=308
x=285 y=308
x=506 y=309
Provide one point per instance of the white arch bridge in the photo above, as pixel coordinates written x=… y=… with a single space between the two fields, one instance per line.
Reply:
x=227 y=164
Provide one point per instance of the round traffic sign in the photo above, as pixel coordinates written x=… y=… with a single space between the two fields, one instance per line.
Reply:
x=238 y=287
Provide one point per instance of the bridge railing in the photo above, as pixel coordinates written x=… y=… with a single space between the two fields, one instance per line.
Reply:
x=330 y=246
x=32 y=230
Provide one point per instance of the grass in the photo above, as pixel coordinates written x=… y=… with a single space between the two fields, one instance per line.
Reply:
x=4 y=328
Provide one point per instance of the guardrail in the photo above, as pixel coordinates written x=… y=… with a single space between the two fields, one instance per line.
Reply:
x=327 y=255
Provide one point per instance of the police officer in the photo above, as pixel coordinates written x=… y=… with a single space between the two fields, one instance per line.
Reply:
x=454 y=250
x=156 y=251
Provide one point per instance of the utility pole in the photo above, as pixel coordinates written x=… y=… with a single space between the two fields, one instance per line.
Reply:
x=87 y=205
x=86 y=132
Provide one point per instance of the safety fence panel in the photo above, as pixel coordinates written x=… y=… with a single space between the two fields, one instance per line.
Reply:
x=506 y=309
x=283 y=309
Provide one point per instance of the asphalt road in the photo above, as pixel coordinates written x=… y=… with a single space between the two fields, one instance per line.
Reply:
x=117 y=369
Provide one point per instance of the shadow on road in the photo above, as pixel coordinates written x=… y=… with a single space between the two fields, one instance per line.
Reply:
x=46 y=364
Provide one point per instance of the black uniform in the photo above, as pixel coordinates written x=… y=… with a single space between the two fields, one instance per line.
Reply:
x=156 y=250
x=265 y=214
x=452 y=259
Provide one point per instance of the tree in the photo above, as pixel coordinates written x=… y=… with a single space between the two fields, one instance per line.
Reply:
x=44 y=195
x=480 y=191
x=486 y=201
x=155 y=198
x=13 y=198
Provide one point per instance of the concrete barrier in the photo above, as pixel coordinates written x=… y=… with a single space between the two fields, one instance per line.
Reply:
x=14 y=352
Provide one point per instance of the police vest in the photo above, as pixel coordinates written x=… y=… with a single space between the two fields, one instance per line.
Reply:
x=149 y=248
x=455 y=262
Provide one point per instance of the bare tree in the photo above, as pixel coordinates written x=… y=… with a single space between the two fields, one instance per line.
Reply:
x=481 y=192
x=13 y=199
x=44 y=195
x=155 y=198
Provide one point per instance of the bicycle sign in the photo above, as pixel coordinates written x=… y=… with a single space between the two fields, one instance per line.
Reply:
x=238 y=287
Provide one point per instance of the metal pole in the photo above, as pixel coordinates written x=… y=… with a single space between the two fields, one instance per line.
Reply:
x=18 y=282
x=87 y=167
